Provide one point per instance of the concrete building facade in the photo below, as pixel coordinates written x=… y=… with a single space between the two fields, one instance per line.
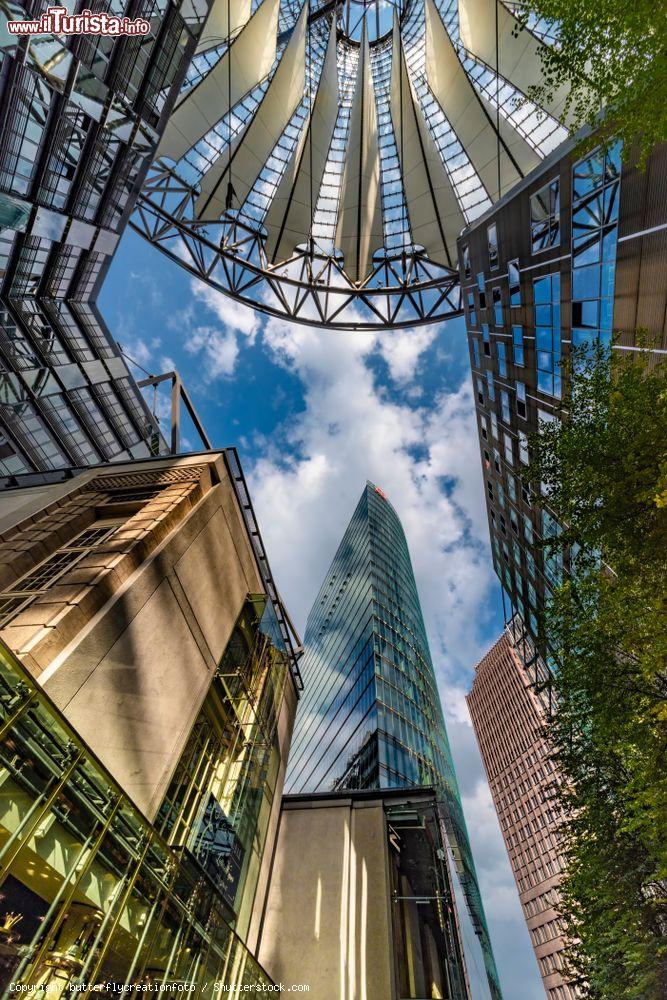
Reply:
x=510 y=720
x=360 y=902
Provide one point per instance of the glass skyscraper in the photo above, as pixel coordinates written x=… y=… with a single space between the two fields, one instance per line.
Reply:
x=370 y=715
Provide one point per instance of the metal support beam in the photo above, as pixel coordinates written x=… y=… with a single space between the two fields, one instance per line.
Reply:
x=179 y=395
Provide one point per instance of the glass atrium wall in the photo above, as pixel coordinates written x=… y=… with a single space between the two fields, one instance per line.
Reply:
x=81 y=116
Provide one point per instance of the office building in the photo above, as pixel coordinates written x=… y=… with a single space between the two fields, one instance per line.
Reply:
x=148 y=688
x=571 y=255
x=371 y=716
x=80 y=118
x=509 y=719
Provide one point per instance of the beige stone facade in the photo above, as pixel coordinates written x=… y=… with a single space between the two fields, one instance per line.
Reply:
x=509 y=718
x=359 y=904
x=127 y=639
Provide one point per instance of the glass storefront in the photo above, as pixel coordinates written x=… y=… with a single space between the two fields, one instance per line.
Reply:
x=93 y=893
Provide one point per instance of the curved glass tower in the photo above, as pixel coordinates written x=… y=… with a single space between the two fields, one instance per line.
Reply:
x=370 y=715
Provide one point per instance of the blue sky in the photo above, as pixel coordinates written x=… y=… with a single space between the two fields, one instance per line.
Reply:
x=314 y=414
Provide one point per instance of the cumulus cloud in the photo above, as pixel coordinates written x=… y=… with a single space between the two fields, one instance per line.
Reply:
x=217 y=345
x=402 y=350
x=233 y=315
x=219 y=348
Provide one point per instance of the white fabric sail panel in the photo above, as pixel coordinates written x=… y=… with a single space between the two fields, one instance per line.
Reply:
x=252 y=54
x=518 y=57
x=227 y=17
x=435 y=215
x=252 y=148
x=289 y=219
x=359 y=228
x=473 y=119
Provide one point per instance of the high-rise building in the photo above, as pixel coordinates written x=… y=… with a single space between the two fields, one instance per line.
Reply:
x=148 y=686
x=371 y=716
x=81 y=117
x=510 y=719
x=573 y=253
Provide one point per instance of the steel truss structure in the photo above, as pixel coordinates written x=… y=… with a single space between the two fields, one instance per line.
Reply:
x=343 y=211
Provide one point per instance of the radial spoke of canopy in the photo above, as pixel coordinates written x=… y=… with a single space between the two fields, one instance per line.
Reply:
x=322 y=159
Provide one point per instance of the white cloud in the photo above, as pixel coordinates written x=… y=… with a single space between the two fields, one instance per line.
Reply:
x=402 y=350
x=234 y=315
x=219 y=348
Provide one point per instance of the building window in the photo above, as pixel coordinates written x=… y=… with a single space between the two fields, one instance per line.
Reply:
x=546 y=297
x=481 y=290
x=465 y=252
x=487 y=340
x=492 y=239
x=511 y=484
x=494 y=425
x=507 y=442
x=521 y=399
x=523 y=448
x=475 y=352
x=553 y=561
x=514 y=281
x=502 y=359
x=545 y=217
x=517 y=342
x=505 y=406
x=489 y=385
x=484 y=428
x=38 y=581
x=497 y=306
x=472 y=315
x=528 y=529
x=480 y=391
x=595 y=197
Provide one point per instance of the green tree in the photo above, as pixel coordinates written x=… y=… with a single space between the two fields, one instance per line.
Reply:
x=613 y=54
x=602 y=472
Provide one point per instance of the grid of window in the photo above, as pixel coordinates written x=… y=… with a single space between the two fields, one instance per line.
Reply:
x=28 y=429
x=24 y=124
x=38 y=581
x=545 y=217
x=57 y=410
x=64 y=157
x=595 y=199
x=97 y=425
x=546 y=298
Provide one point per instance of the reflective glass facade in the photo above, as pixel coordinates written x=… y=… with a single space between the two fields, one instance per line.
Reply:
x=560 y=294
x=80 y=118
x=370 y=715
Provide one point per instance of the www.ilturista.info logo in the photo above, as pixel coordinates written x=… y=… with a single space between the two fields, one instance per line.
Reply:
x=57 y=21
